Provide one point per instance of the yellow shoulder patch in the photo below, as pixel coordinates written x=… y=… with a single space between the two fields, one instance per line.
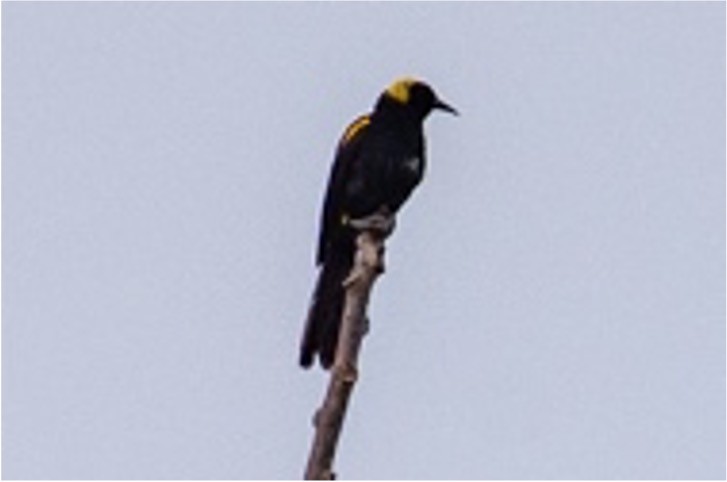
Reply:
x=399 y=90
x=354 y=128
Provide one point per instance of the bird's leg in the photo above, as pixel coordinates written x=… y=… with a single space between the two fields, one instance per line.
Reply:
x=382 y=222
x=373 y=230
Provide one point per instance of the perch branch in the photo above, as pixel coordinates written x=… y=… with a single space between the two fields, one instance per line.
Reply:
x=368 y=265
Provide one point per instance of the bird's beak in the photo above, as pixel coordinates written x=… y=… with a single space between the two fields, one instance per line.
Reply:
x=438 y=104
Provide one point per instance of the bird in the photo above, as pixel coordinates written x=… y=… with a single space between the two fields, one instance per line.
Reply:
x=379 y=161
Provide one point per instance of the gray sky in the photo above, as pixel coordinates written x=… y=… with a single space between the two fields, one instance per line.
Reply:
x=554 y=305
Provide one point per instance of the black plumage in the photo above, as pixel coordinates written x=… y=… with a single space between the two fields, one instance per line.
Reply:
x=379 y=161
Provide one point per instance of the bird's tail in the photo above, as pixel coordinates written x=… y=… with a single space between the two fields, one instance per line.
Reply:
x=324 y=316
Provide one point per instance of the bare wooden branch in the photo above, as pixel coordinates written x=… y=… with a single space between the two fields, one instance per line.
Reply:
x=328 y=421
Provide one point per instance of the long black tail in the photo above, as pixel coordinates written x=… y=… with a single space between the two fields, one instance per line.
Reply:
x=324 y=316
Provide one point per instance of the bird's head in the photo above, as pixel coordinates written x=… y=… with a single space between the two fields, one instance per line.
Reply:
x=415 y=96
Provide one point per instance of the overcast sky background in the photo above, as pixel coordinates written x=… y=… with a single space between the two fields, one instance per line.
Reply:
x=554 y=305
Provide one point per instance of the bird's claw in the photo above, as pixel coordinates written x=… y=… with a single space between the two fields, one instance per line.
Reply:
x=382 y=222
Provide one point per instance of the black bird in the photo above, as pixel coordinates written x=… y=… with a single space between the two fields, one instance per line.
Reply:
x=379 y=161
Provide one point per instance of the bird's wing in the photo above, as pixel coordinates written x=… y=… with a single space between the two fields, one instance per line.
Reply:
x=347 y=151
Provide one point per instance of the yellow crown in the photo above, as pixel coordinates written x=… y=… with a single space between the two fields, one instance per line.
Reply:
x=399 y=90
